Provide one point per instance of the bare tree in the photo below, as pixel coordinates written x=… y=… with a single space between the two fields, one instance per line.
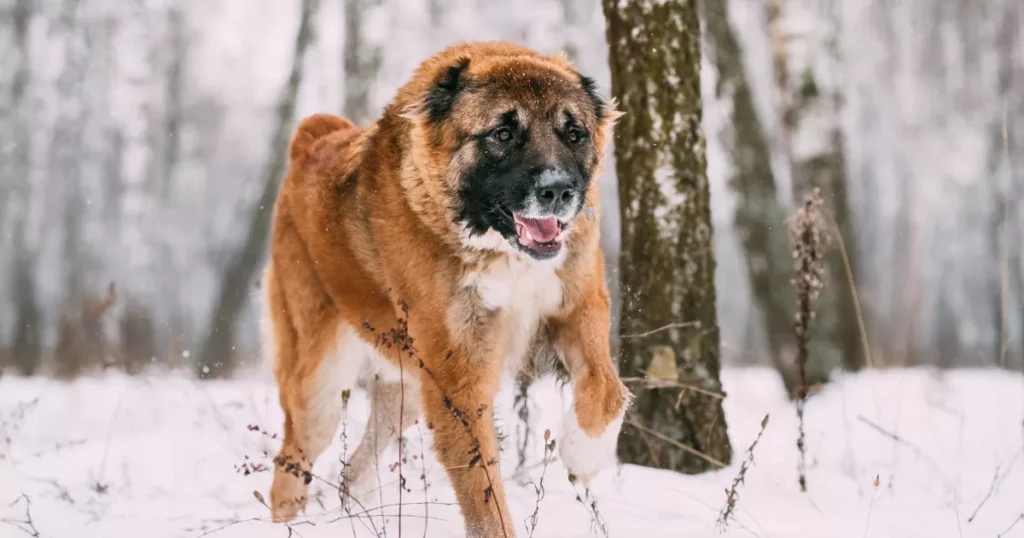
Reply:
x=1008 y=220
x=667 y=260
x=79 y=336
x=216 y=358
x=362 y=60
x=760 y=218
x=141 y=339
x=807 y=79
x=27 y=349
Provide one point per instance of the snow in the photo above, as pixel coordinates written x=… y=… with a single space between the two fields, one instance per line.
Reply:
x=157 y=456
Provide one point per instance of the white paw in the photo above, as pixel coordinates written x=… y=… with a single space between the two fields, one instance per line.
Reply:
x=585 y=456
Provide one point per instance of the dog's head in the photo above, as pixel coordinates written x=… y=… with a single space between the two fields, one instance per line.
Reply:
x=509 y=143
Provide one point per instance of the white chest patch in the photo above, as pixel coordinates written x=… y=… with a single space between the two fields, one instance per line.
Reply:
x=526 y=291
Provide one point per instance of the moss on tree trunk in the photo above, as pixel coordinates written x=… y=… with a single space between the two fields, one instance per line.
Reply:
x=667 y=259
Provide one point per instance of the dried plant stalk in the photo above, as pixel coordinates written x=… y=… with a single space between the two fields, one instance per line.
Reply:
x=806 y=232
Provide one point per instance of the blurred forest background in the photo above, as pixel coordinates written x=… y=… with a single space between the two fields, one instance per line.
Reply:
x=138 y=140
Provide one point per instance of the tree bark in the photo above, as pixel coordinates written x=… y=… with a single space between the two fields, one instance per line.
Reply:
x=667 y=259
x=814 y=143
x=216 y=357
x=760 y=220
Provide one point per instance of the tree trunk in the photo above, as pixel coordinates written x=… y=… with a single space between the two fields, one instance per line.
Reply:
x=216 y=357
x=760 y=218
x=814 y=143
x=667 y=260
x=362 y=61
x=134 y=346
x=1005 y=171
x=26 y=353
x=80 y=338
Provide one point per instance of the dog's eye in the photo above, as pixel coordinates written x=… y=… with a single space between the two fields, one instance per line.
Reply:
x=503 y=134
x=574 y=135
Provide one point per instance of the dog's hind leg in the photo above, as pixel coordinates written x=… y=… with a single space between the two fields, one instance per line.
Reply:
x=391 y=412
x=312 y=396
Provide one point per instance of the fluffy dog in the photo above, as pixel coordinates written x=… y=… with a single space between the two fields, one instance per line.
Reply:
x=451 y=242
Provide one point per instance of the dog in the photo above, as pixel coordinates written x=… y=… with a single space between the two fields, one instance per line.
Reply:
x=452 y=242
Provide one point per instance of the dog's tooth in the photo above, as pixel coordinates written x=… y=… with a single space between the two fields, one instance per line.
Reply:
x=529 y=235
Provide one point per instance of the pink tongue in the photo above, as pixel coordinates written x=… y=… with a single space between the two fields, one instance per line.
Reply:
x=542 y=230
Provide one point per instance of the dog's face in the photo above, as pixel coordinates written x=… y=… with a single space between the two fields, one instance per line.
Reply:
x=524 y=136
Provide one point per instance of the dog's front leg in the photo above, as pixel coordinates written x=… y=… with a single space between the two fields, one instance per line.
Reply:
x=599 y=397
x=458 y=401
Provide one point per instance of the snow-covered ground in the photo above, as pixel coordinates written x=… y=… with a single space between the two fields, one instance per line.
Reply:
x=162 y=456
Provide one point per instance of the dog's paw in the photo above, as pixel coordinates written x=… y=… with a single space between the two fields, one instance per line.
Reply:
x=285 y=510
x=287 y=496
x=586 y=455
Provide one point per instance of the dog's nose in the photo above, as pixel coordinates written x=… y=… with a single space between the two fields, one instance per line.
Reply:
x=555 y=190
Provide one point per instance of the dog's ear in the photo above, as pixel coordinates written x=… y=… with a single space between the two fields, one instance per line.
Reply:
x=441 y=96
x=606 y=112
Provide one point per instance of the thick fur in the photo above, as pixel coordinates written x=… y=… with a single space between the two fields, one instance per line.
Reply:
x=409 y=221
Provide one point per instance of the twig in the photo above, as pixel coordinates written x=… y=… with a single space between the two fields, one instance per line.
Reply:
x=675 y=325
x=27 y=526
x=848 y=270
x=549 y=450
x=991 y=489
x=597 y=524
x=731 y=494
x=351 y=516
x=931 y=461
x=659 y=384
x=675 y=443
x=423 y=476
x=867 y=520
x=1012 y=525
x=230 y=524
x=401 y=430
x=376 y=465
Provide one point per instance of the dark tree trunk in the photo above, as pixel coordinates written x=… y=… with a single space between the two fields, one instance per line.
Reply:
x=667 y=260
x=760 y=218
x=216 y=357
x=26 y=352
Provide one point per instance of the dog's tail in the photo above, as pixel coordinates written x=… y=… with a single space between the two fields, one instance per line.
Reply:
x=312 y=129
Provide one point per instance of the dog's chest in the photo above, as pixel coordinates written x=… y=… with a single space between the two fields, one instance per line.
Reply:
x=522 y=293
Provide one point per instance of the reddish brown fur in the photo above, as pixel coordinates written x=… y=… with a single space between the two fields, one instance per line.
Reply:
x=364 y=221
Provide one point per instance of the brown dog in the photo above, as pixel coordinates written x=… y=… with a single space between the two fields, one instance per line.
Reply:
x=449 y=243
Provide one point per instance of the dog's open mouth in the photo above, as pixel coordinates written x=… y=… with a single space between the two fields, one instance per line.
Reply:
x=542 y=235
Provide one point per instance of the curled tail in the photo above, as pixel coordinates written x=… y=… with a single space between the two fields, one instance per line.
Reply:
x=314 y=128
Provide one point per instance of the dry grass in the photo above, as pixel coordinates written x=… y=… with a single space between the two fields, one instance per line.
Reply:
x=732 y=494
x=805 y=230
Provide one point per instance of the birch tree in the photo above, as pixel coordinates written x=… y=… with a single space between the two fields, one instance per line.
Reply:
x=807 y=62
x=760 y=218
x=667 y=264
x=216 y=357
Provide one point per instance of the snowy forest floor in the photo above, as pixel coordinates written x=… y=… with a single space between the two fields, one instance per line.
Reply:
x=115 y=456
